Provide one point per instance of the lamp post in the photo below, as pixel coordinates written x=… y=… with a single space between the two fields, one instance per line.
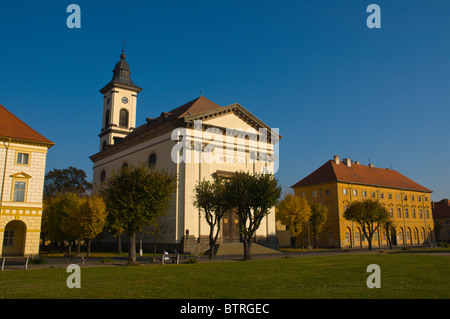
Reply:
x=309 y=240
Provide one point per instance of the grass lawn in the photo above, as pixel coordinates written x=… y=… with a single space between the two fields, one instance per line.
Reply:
x=343 y=276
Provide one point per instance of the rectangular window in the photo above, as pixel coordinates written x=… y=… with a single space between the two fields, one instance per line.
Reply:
x=391 y=212
x=344 y=191
x=398 y=196
x=22 y=158
x=414 y=213
x=327 y=192
x=364 y=194
x=373 y=194
x=390 y=196
x=381 y=195
x=314 y=194
x=8 y=238
x=412 y=197
x=420 y=213
x=355 y=192
x=419 y=198
x=406 y=213
x=399 y=212
x=19 y=191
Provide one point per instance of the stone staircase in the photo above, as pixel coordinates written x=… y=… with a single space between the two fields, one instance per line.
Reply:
x=238 y=249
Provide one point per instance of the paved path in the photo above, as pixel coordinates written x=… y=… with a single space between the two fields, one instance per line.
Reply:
x=56 y=262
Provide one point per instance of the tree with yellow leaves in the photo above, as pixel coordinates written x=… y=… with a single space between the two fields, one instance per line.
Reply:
x=294 y=212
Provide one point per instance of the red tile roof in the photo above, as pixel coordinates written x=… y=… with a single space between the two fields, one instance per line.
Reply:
x=11 y=126
x=359 y=174
x=441 y=209
x=200 y=104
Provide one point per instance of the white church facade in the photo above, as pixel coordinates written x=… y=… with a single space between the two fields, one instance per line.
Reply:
x=197 y=140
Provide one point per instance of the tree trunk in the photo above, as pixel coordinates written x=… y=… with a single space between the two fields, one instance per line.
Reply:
x=247 y=247
x=78 y=246
x=119 y=243
x=370 y=241
x=131 y=249
x=212 y=243
x=88 y=249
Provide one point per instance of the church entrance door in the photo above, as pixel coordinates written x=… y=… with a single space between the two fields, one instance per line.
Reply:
x=230 y=228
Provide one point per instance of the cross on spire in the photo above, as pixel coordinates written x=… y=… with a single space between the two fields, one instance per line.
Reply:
x=123 y=45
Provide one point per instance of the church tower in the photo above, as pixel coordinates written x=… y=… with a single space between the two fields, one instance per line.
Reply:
x=119 y=105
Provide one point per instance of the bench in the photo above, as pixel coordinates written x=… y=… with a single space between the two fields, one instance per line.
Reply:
x=170 y=258
x=23 y=259
x=74 y=259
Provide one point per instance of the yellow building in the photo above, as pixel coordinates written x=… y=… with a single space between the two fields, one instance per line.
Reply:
x=336 y=184
x=23 y=154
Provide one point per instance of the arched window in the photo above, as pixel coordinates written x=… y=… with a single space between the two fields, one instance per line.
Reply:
x=102 y=176
x=106 y=119
x=123 y=120
x=152 y=160
x=104 y=145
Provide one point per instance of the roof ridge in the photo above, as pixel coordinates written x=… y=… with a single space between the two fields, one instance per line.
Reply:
x=43 y=138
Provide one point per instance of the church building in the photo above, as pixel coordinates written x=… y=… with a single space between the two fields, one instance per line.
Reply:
x=197 y=140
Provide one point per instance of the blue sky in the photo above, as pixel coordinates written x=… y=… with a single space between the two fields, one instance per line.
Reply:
x=313 y=69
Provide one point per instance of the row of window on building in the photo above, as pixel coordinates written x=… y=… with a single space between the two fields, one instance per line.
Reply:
x=345 y=191
x=407 y=215
x=375 y=236
x=382 y=195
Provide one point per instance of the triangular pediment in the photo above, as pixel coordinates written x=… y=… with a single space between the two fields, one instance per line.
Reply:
x=233 y=116
x=21 y=175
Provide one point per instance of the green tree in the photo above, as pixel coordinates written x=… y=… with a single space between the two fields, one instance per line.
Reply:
x=369 y=214
x=52 y=215
x=389 y=226
x=91 y=219
x=59 y=215
x=253 y=196
x=437 y=230
x=68 y=180
x=211 y=200
x=136 y=196
x=317 y=220
x=293 y=211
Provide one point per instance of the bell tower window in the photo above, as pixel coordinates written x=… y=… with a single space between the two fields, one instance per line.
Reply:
x=106 y=119
x=123 y=120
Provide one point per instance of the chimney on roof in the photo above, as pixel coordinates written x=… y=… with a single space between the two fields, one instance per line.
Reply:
x=370 y=165
x=347 y=162
x=336 y=159
x=357 y=162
